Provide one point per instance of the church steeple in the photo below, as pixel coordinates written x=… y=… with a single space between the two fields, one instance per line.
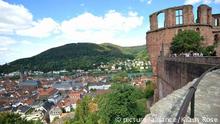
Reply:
x=22 y=75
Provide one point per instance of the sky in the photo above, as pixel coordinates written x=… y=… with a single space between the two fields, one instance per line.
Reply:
x=29 y=27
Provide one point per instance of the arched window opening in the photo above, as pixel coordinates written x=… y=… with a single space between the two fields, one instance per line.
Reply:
x=216 y=39
x=197 y=30
x=179 y=30
x=161 y=20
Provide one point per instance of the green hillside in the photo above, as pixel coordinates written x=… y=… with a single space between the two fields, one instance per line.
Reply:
x=75 y=56
x=139 y=52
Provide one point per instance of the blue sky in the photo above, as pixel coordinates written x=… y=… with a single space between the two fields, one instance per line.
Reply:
x=28 y=27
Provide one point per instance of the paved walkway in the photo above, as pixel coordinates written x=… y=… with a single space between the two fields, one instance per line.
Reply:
x=207 y=103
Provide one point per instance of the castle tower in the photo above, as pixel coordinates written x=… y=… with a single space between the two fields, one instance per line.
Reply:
x=204 y=14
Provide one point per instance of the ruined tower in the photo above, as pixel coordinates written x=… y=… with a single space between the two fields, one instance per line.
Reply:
x=165 y=24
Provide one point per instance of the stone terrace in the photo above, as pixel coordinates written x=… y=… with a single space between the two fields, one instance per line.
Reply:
x=207 y=102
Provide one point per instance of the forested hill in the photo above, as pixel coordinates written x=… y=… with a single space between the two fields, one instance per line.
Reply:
x=75 y=56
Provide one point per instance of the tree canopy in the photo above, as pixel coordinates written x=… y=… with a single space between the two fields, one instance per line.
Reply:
x=124 y=101
x=121 y=103
x=186 y=41
x=12 y=118
x=121 y=77
x=149 y=89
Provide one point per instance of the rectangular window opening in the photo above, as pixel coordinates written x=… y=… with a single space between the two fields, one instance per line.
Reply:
x=179 y=17
x=216 y=22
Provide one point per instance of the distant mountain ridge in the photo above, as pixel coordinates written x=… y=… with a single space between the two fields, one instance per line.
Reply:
x=76 y=56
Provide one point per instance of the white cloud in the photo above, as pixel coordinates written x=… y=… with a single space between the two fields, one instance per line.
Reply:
x=25 y=42
x=217 y=1
x=201 y=1
x=192 y=1
x=90 y=28
x=149 y=1
x=207 y=1
x=42 y=28
x=13 y=17
x=2 y=49
x=6 y=41
x=3 y=52
x=16 y=21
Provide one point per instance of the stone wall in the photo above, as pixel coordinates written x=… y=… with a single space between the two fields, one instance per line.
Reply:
x=165 y=36
x=157 y=37
x=206 y=102
x=176 y=72
x=218 y=50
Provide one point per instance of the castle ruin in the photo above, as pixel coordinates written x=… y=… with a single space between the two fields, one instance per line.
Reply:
x=165 y=24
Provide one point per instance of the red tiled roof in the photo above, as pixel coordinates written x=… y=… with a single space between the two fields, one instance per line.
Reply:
x=66 y=102
x=75 y=94
x=46 y=92
x=29 y=101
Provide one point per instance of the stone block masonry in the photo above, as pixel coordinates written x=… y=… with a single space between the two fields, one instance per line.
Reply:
x=178 y=19
x=176 y=72
x=164 y=25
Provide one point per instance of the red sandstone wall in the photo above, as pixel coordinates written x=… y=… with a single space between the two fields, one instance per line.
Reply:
x=204 y=14
x=174 y=73
x=156 y=37
x=218 y=50
x=218 y=45
x=165 y=36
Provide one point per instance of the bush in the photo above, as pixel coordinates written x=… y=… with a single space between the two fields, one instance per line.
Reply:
x=186 y=41
x=124 y=101
x=209 y=51
x=12 y=118
x=149 y=89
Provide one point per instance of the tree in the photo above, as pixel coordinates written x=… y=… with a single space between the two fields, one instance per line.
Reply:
x=122 y=102
x=186 y=41
x=149 y=89
x=12 y=118
x=86 y=112
x=120 y=77
x=82 y=110
x=209 y=51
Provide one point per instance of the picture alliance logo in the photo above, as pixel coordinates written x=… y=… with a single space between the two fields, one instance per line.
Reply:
x=205 y=119
x=128 y=120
